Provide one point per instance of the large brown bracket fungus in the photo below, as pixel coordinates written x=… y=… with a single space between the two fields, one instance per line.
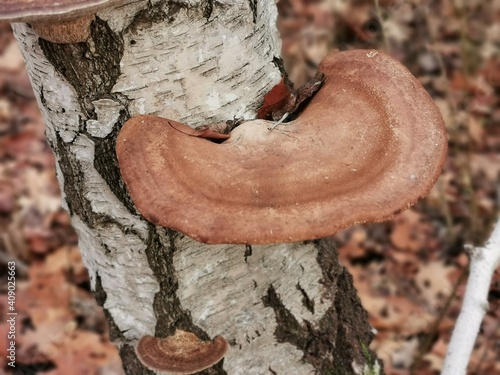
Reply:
x=62 y=21
x=370 y=143
x=182 y=353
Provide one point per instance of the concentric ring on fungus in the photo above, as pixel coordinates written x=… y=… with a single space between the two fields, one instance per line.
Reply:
x=181 y=353
x=370 y=144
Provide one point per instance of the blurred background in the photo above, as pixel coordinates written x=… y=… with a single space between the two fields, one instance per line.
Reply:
x=410 y=272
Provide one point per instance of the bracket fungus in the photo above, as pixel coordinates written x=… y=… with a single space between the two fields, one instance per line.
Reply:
x=182 y=353
x=62 y=21
x=369 y=144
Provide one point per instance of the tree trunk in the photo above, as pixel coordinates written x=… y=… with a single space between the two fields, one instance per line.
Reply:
x=285 y=308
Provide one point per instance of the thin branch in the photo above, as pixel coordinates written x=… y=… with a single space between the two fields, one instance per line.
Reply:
x=483 y=262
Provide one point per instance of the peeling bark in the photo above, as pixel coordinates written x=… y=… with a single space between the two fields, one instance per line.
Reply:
x=284 y=308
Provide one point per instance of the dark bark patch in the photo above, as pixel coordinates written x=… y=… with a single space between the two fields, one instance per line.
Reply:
x=133 y=365
x=343 y=333
x=208 y=8
x=74 y=188
x=127 y=352
x=306 y=301
x=153 y=14
x=92 y=70
x=288 y=329
x=169 y=312
x=253 y=7
x=101 y=296
x=351 y=331
x=73 y=182
x=248 y=252
x=106 y=164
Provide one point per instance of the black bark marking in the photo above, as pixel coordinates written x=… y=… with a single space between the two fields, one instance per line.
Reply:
x=127 y=352
x=73 y=182
x=288 y=329
x=91 y=71
x=352 y=333
x=106 y=164
x=306 y=301
x=248 y=252
x=93 y=74
x=154 y=14
x=208 y=8
x=167 y=306
x=342 y=335
x=74 y=190
x=133 y=365
x=253 y=7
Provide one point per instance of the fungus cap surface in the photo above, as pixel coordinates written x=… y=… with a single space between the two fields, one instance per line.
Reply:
x=48 y=10
x=370 y=143
x=182 y=353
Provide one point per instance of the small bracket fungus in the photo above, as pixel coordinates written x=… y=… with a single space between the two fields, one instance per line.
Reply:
x=63 y=21
x=182 y=353
x=370 y=143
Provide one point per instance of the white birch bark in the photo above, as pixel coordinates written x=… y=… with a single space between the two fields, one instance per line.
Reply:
x=196 y=71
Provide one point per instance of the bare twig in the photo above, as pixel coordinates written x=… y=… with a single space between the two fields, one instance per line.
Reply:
x=483 y=262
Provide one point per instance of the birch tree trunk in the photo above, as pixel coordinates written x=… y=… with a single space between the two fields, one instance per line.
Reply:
x=284 y=309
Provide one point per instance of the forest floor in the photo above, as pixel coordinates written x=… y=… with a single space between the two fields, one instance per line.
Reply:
x=410 y=272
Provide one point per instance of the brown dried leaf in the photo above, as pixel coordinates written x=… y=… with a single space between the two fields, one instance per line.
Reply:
x=409 y=233
x=85 y=353
x=281 y=101
x=476 y=130
x=274 y=100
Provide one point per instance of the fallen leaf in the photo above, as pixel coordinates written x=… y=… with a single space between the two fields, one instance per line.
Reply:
x=281 y=103
x=274 y=101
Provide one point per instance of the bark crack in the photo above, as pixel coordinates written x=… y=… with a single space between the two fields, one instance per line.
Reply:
x=306 y=301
